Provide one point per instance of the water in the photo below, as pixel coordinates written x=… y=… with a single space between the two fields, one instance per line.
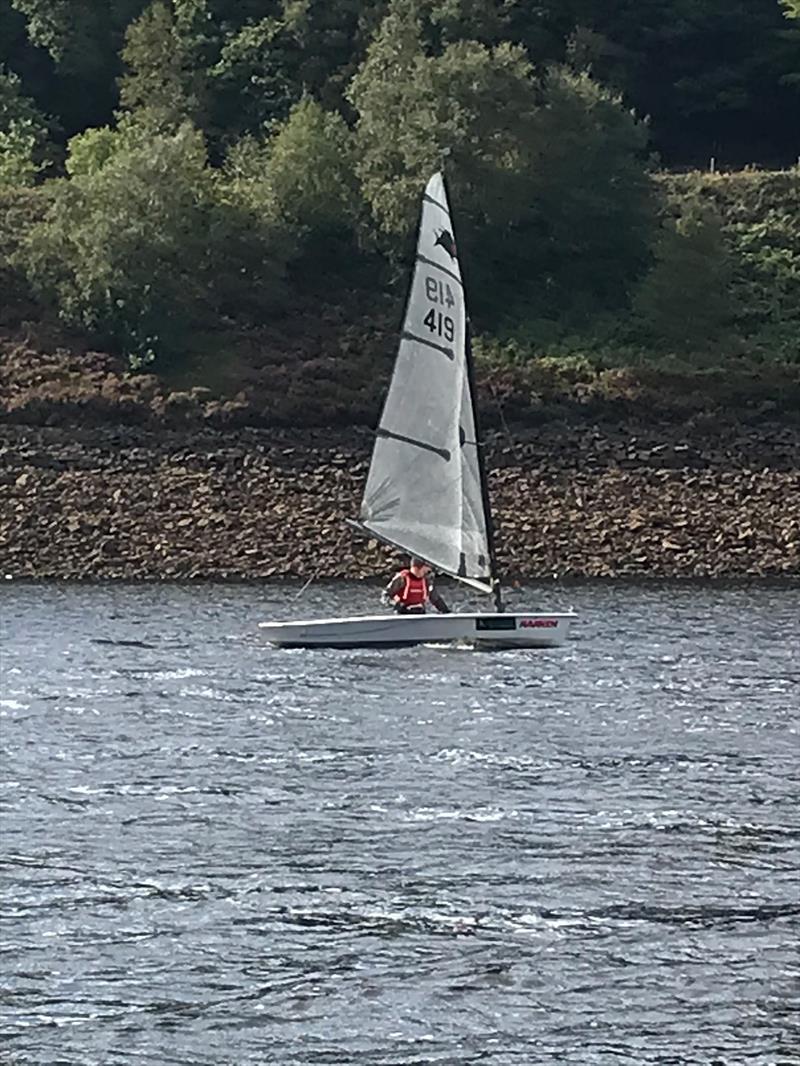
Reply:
x=217 y=852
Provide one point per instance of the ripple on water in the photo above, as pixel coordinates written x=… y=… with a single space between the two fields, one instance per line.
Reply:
x=219 y=852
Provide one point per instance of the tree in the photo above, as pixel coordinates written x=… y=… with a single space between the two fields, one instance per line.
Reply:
x=302 y=181
x=250 y=84
x=160 y=76
x=80 y=35
x=23 y=134
x=541 y=29
x=262 y=59
x=311 y=170
x=70 y=58
x=711 y=74
x=470 y=101
x=331 y=38
x=553 y=200
x=137 y=249
x=592 y=203
x=684 y=300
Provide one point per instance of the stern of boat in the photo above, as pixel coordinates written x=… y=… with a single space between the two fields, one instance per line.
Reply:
x=518 y=630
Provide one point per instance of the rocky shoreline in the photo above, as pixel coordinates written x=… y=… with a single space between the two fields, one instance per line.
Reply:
x=112 y=501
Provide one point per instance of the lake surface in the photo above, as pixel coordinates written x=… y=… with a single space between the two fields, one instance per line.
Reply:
x=217 y=852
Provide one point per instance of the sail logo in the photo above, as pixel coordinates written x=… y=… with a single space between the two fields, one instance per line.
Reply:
x=538 y=623
x=446 y=240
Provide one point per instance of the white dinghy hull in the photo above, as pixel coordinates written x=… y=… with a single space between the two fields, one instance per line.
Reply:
x=512 y=630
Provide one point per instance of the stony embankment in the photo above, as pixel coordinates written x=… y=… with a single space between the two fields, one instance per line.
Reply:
x=108 y=475
x=156 y=502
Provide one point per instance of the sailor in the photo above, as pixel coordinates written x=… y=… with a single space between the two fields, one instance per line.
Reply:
x=410 y=590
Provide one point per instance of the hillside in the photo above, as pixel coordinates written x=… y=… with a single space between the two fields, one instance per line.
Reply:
x=322 y=363
x=611 y=453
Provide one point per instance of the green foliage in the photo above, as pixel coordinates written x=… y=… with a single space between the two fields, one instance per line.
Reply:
x=554 y=202
x=471 y=102
x=159 y=74
x=23 y=135
x=760 y=215
x=114 y=251
x=711 y=74
x=262 y=58
x=250 y=84
x=302 y=182
x=17 y=151
x=20 y=210
x=323 y=120
x=329 y=42
x=311 y=170
x=88 y=152
x=136 y=250
x=587 y=233
x=83 y=38
x=541 y=29
x=791 y=8
x=718 y=77
x=684 y=301
x=303 y=177
x=80 y=35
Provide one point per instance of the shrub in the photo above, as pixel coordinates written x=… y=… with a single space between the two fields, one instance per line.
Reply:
x=554 y=207
x=302 y=183
x=135 y=249
x=760 y=228
x=303 y=176
x=684 y=300
x=23 y=135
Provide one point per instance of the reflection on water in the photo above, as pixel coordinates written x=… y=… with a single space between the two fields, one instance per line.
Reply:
x=219 y=852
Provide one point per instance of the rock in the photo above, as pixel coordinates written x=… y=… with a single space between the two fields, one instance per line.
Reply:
x=137 y=502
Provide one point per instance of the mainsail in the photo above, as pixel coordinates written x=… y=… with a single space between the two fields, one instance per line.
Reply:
x=424 y=490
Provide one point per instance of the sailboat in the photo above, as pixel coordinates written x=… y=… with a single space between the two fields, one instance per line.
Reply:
x=426 y=492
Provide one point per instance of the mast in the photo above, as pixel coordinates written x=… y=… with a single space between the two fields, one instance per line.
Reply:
x=487 y=505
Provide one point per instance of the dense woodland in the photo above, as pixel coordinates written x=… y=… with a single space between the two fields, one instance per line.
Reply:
x=179 y=175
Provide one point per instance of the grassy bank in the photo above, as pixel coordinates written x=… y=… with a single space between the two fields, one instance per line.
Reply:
x=42 y=384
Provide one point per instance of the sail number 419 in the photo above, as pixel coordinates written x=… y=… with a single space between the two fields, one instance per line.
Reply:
x=439 y=292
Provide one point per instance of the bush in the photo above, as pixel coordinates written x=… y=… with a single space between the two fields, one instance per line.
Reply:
x=303 y=177
x=684 y=300
x=135 y=249
x=23 y=135
x=302 y=183
x=760 y=228
x=553 y=205
x=20 y=210
x=311 y=172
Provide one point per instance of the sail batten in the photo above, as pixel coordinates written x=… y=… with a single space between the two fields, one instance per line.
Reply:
x=438 y=266
x=441 y=452
x=430 y=344
x=433 y=510
x=442 y=205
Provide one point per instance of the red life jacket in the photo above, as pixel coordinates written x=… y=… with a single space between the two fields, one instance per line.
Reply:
x=415 y=591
